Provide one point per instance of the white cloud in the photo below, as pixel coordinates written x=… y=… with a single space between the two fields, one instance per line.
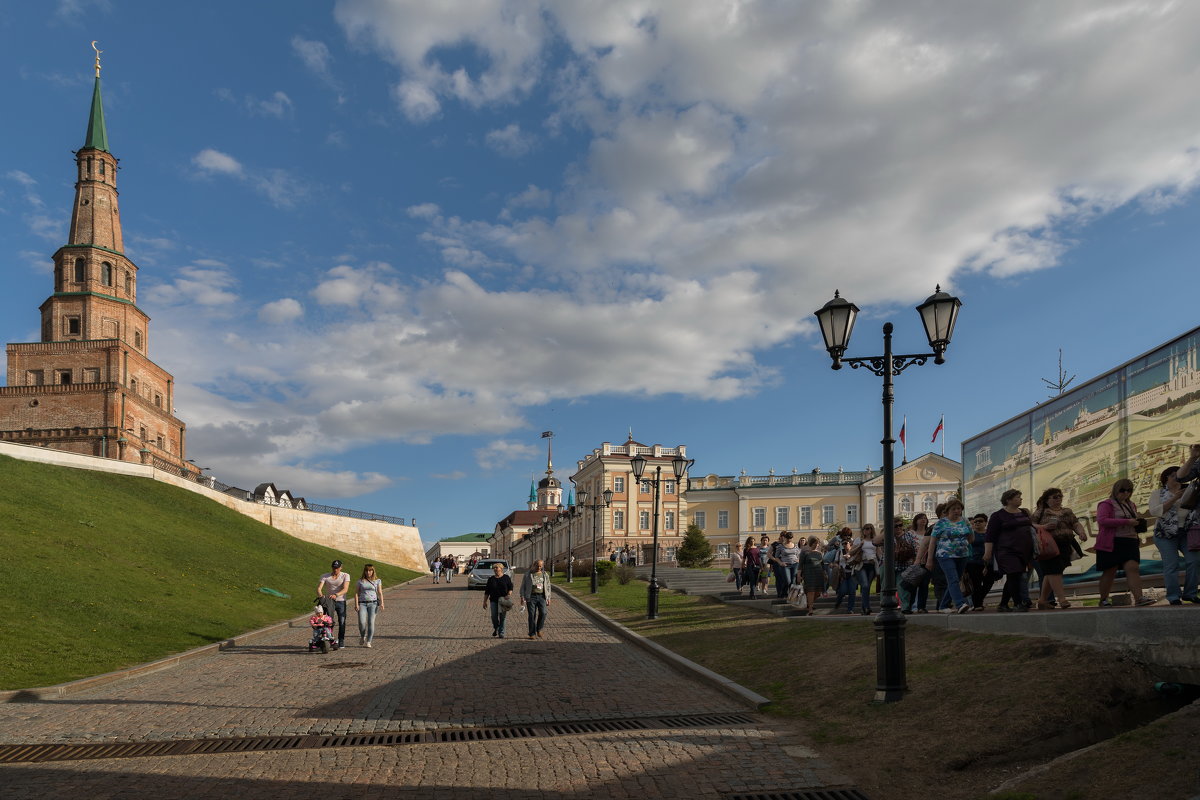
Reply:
x=509 y=141
x=500 y=453
x=279 y=312
x=314 y=54
x=423 y=211
x=456 y=475
x=417 y=101
x=196 y=285
x=210 y=160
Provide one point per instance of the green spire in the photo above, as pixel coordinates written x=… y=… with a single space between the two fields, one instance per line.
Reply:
x=532 y=492
x=97 y=136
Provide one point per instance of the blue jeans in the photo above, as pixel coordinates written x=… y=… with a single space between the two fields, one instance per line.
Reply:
x=952 y=567
x=865 y=577
x=1170 y=550
x=847 y=589
x=337 y=608
x=537 y=613
x=750 y=578
x=366 y=619
x=737 y=579
x=498 y=617
x=781 y=579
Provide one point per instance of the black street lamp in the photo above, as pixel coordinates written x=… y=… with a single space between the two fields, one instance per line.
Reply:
x=582 y=495
x=938 y=313
x=570 y=514
x=545 y=548
x=680 y=465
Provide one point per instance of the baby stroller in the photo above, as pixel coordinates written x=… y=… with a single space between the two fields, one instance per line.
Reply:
x=322 y=630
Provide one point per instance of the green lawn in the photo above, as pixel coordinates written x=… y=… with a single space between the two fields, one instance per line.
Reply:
x=107 y=571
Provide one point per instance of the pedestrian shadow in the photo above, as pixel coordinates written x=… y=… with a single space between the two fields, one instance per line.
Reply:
x=539 y=680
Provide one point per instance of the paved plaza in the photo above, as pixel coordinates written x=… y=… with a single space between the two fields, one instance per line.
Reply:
x=642 y=729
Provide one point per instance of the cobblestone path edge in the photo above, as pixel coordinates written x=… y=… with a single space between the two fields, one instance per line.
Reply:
x=84 y=684
x=679 y=663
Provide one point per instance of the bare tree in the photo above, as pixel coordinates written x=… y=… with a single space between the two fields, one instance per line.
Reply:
x=1060 y=385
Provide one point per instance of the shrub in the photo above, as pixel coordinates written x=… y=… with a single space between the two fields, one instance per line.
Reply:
x=624 y=573
x=695 y=550
x=604 y=571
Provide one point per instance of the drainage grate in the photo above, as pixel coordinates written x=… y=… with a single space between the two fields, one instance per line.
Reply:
x=28 y=753
x=805 y=794
x=343 y=665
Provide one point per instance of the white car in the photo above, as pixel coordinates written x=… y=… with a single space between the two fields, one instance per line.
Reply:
x=478 y=576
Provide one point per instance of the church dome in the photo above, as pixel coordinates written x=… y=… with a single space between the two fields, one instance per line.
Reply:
x=549 y=483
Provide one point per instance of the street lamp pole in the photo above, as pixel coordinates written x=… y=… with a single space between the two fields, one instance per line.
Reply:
x=582 y=496
x=680 y=465
x=545 y=548
x=938 y=313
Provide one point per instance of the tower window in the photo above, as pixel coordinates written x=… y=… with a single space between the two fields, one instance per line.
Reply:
x=80 y=265
x=128 y=283
x=102 y=166
x=160 y=443
x=89 y=166
x=133 y=385
x=158 y=399
x=141 y=429
x=137 y=339
x=106 y=272
x=91 y=375
x=35 y=377
x=64 y=377
x=72 y=326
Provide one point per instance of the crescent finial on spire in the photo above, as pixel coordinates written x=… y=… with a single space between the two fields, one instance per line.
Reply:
x=98 y=52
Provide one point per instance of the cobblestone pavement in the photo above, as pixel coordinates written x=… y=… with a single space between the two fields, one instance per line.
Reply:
x=434 y=665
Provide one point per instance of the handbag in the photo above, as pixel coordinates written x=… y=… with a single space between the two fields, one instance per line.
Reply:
x=730 y=577
x=505 y=603
x=914 y=576
x=1193 y=538
x=1045 y=547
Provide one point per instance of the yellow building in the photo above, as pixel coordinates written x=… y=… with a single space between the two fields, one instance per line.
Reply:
x=730 y=508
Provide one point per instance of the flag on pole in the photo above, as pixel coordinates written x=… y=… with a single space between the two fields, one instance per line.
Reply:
x=941 y=426
x=547 y=434
x=903 y=443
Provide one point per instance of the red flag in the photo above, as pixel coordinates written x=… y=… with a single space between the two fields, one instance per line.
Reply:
x=938 y=429
x=902 y=427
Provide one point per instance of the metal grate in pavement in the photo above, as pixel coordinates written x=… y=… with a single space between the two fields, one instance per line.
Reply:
x=805 y=794
x=343 y=665
x=28 y=753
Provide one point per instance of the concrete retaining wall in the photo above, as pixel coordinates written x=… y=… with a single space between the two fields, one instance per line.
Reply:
x=371 y=539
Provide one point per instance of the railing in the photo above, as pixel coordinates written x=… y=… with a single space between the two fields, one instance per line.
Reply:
x=795 y=479
x=349 y=512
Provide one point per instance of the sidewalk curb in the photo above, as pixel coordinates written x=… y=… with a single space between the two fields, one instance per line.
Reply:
x=679 y=663
x=40 y=693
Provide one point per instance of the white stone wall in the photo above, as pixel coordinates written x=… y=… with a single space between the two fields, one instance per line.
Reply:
x=372 y=540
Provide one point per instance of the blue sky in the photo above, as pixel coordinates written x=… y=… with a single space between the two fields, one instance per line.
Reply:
x=385 y=244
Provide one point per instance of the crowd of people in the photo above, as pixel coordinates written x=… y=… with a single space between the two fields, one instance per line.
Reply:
x=956 y=560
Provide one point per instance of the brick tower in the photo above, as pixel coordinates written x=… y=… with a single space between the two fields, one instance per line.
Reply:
x=89 y=386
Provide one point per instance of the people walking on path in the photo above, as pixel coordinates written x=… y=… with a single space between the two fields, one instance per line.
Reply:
x=1118 y=543
x=867 y=556
x=981 y=574
x=332 y=589
x=920 y=531
x=751 y=564
x=1008 y=538
x=905 y=547
x=535 y=593
x=952 y=537
x=1064 y=526
x=1175 y=526
x=764 y=554
x=498 y=593
x=735 y=566
x=787 y=560
x=368 y=601
x=812 y=571
x=436 y=568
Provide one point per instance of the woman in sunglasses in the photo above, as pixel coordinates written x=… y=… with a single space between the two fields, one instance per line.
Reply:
x=1117 y=543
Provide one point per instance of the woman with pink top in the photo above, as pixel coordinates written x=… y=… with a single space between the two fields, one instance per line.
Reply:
x=1117 y=542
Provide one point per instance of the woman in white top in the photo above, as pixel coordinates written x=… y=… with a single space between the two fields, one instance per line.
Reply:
x=368 y=601
x=868 y=568
x=332 y=591
x=735 y=564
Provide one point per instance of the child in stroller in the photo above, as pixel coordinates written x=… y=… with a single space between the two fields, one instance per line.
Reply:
x=322 y=630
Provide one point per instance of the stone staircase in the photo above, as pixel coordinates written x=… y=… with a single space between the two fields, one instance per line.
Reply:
x=715 y=584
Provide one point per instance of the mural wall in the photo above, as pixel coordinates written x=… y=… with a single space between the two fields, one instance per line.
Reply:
x=1132 y=422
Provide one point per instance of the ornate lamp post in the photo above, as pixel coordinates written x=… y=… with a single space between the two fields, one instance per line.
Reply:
x=545 y=548
x=938 y=313
x=582 y=495
x=680 y=465
x=570 y=514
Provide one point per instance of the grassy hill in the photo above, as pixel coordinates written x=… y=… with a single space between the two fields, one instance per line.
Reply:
x=105 y=571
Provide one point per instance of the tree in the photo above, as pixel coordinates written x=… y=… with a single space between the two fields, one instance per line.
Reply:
x=695 y=550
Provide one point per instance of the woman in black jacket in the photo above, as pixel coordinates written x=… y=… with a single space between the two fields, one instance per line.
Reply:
x=499 y=587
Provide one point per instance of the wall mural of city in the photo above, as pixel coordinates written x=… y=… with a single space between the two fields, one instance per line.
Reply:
x=1132 y=422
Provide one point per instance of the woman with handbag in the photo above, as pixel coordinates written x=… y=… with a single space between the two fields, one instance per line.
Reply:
x=751 y=564
x=1117 y=543
x=498 y=592
x=1170 y=537
x=735 y=567
x=920 y=529
x=1008 y=538
x=1064 y=526
x=951 y=539
x=812 y=571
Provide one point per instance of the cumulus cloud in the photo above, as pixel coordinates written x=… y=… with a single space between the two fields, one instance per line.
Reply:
x=195 y=285
x=282 y=188
x=417 y=101
x=509 y=141
x=279 y=312
x=501 y=453
x=210 y=160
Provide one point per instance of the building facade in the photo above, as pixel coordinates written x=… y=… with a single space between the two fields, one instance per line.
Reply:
x=730 y=508
x=89 y=385
x=464 y=548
